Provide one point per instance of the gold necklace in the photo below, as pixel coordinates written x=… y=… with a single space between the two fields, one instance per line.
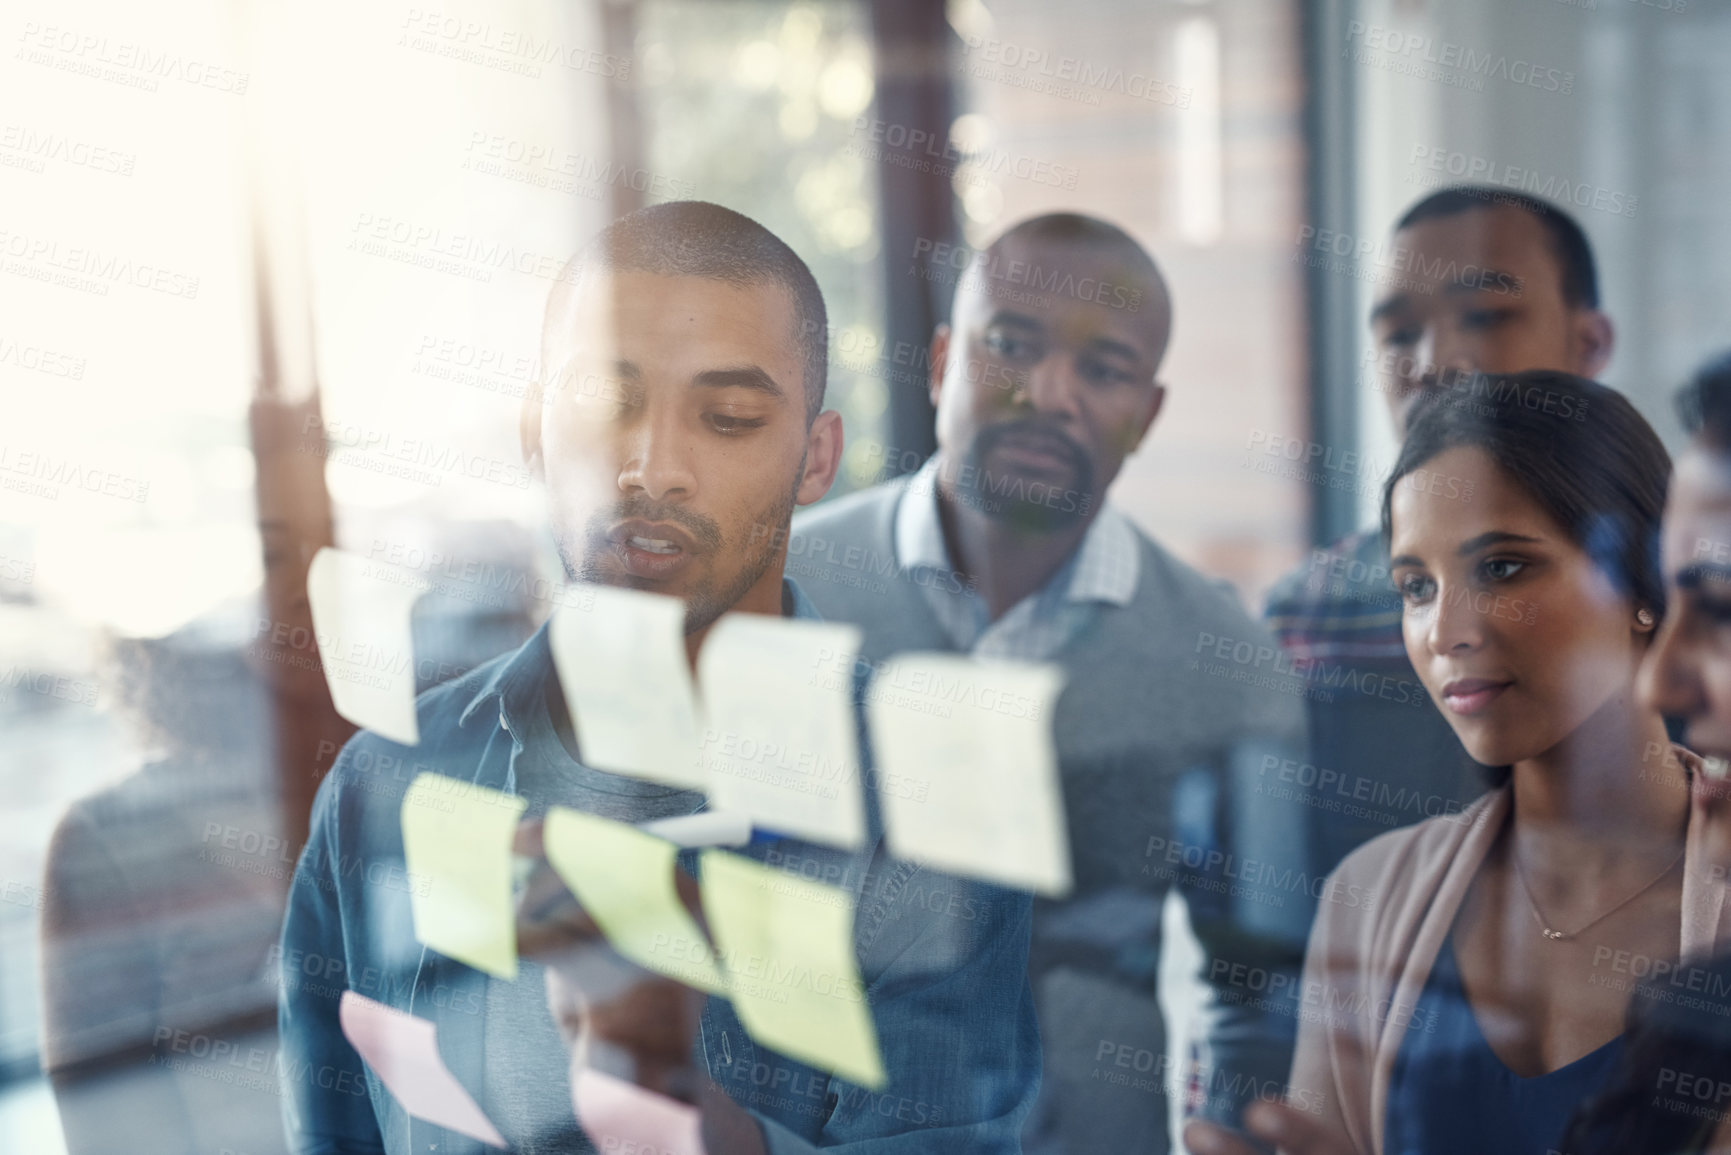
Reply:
x=1561 y=935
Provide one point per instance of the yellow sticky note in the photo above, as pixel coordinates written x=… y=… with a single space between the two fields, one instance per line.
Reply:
x=457 y=848
x=787 y=949
x=624 y=879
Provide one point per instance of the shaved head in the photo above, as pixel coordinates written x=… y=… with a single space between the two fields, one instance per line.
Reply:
x=1128 y=279
x=1044 y=379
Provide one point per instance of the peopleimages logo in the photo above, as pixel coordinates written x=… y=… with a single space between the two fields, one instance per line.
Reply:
x=1447 y=61
x=1037 y=279
x=121 y=61
x=1068 y=77
x=1271 y=667
x=1441 y=166
x=26 y=148
x=923 y=151
x=505 y=49
x=1384 y=255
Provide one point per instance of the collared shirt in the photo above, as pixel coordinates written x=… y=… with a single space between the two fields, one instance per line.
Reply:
x=1103 y=571
x=962 y=1071
x=527 y=1093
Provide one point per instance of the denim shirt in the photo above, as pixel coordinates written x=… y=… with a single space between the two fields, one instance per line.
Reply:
x=943 y=961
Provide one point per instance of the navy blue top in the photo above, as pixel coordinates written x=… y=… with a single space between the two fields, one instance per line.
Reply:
x=1451 y=1093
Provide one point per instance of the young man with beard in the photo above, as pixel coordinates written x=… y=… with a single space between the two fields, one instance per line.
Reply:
x=1003 y=546
x=688 y=352
x=1490 y=281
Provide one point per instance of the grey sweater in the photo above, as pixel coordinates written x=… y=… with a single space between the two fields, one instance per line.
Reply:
x=1150 y=723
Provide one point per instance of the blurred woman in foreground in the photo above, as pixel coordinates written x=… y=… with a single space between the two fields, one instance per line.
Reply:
x=1672 y=1092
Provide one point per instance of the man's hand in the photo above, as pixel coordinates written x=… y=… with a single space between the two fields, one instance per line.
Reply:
x=1292 y=1131
x=615 y=1016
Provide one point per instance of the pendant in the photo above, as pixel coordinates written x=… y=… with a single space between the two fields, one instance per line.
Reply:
x=1553 y=935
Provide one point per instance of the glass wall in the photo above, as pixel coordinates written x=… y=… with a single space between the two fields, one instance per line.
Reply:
x=274 y=279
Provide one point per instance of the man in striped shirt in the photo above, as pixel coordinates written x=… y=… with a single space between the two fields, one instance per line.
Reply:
x=1490 y=281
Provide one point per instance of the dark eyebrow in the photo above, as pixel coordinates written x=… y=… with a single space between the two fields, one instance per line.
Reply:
x=1116 y=348
x=1388 y=305
x=746 y=377
x=1464 y=289
x=1009 y=317
x=1470 y=546
x=1095 y=344
x=1494 y=537
x=621 y=369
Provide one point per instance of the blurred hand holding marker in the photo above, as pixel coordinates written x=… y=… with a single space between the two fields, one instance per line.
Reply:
x=640 y=1025
x=630 y=1031
x=624 y=880
x=802 y=931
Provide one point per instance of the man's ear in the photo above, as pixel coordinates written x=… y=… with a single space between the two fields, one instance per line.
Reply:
x=1156 y=401
x=823 y=446
x=1595 y=338
x=529 y=431
x=939 y=357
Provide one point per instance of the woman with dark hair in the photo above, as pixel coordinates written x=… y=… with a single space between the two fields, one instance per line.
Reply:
x=1482 y=994
x=1672 y=1091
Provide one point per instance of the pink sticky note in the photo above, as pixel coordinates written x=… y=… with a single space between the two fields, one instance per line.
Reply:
x=624 y=1118
x=404 y=1052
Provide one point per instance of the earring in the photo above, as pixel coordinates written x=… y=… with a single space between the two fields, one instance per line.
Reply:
x=1644 y=618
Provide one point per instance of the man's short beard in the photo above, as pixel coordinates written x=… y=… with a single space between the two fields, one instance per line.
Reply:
x=1007 y=498
x=704 y=600
x=704 y=604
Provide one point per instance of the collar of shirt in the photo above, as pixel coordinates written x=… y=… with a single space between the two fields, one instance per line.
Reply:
x=1104 y=570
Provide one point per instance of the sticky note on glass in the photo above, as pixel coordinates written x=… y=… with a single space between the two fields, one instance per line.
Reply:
x=361 y=612
x=779 y=743
x=627 y=681
x=624 y=879
x=457 y=849
x=787 y=947
x=404 y=1052
x=621 y=1116
x=967 y=769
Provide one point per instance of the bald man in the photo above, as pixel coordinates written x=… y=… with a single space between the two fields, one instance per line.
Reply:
x=1003 y=546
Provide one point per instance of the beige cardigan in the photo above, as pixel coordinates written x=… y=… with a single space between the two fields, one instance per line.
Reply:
x=1367 y=965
